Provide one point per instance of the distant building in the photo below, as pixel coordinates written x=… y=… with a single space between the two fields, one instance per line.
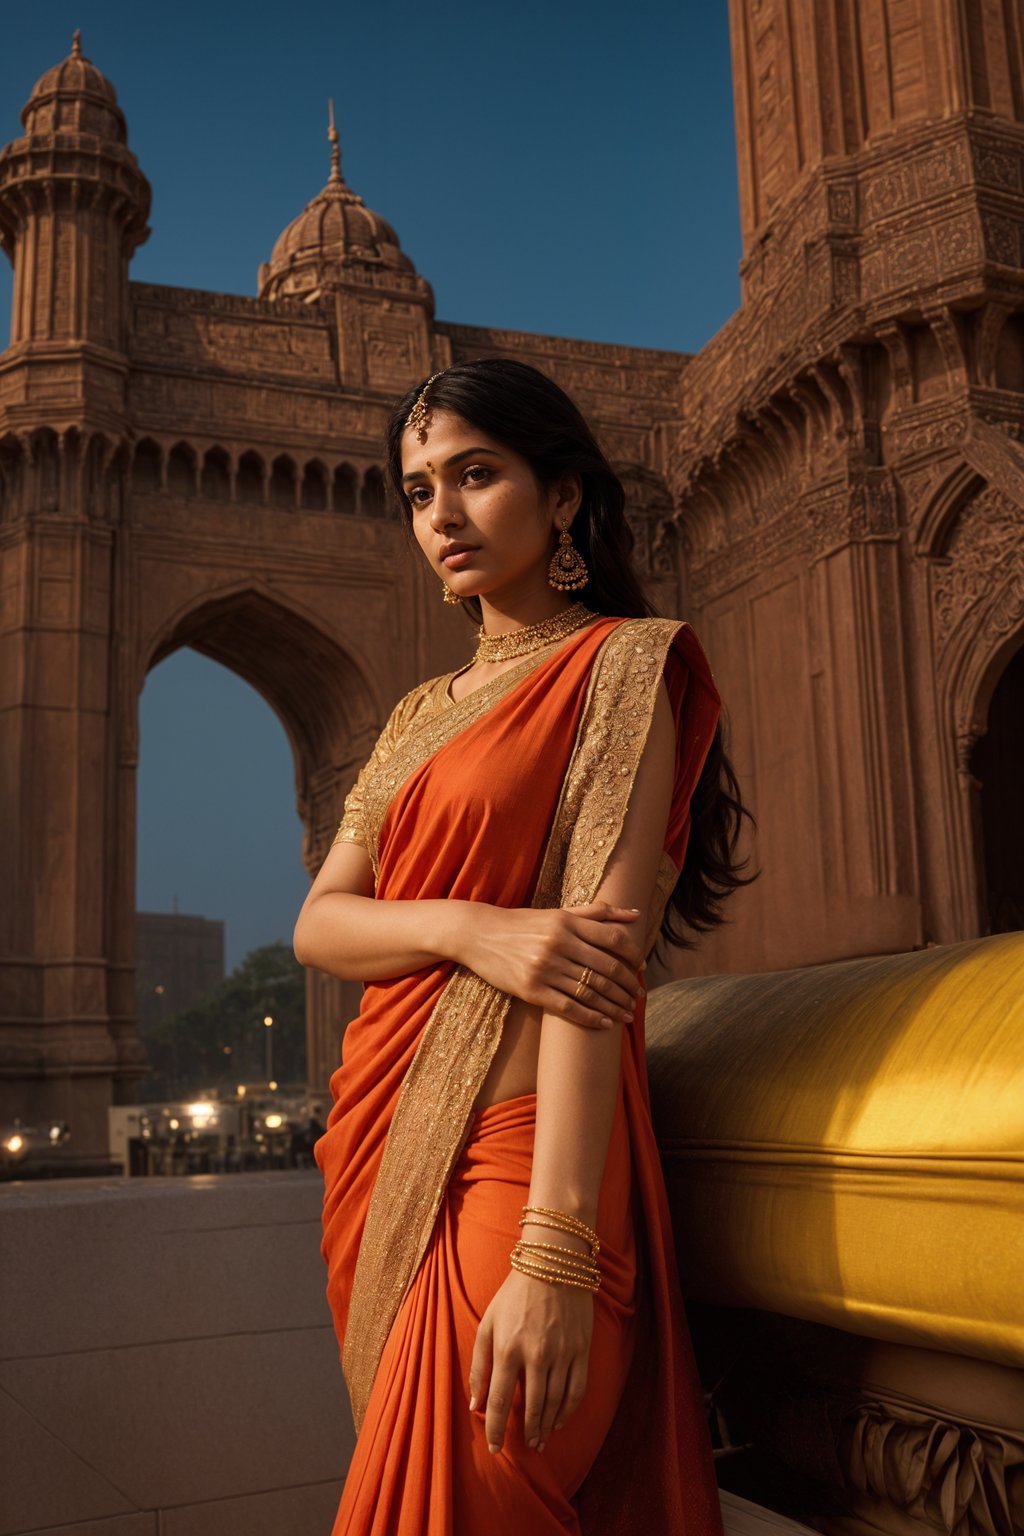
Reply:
x=179 y=958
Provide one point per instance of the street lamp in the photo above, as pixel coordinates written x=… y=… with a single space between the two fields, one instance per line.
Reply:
x=269 y=1023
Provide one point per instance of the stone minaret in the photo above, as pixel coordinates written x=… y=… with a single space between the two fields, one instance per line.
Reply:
x=73 y=207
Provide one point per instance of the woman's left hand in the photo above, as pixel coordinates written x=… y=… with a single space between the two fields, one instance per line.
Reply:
x=541 y=1332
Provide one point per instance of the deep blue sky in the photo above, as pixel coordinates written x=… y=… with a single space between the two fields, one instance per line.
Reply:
x=564 y=166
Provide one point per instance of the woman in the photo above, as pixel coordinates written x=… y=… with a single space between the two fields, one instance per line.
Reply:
x=500 y=1262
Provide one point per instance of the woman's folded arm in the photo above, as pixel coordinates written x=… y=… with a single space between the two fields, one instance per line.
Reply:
x=342 y=930
x=529 y=952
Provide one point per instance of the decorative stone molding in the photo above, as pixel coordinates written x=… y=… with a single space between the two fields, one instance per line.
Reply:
x=995 y=454
x=865 y=510
x=985 y=540
x=650 y=513
x=926 y=429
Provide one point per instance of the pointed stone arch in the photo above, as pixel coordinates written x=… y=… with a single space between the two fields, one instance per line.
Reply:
x=321 y=692
x=182 y=470
x=977 y=601
x=215 y=479
x=251 y=479
x=315 y=487
x=46 y=460
x=283 y=483
x=331 y=712
x=344 y=490
x=147 y=465
x=12 y=475
x=101 y=461
x=952 y=487
x=372 y=500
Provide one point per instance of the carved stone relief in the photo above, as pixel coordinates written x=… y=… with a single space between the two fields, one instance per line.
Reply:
x=983 y=557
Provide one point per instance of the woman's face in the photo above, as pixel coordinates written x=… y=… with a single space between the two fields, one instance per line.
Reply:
x=482 y=521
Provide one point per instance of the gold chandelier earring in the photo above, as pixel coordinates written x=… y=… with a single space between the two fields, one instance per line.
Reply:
x=568 y=569
x=447 y=595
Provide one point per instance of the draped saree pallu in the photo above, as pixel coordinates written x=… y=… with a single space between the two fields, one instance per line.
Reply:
x=515 y=796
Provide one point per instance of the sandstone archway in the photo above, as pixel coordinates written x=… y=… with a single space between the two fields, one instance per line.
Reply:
x=977 y=600
x=331 y=712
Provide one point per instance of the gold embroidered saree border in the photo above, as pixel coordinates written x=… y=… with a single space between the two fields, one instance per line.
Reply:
x=613 y=731
x=427 y=1132
x=434 y=1110
x=352 y=827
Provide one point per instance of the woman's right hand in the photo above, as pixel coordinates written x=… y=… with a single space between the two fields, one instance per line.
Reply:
x=539 y=954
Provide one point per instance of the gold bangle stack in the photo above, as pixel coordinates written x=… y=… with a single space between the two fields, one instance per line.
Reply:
x=574 y=1269
x=554 y=1262
x=559 y=1221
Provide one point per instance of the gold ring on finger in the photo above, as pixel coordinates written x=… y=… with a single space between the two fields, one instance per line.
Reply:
x=584 y=980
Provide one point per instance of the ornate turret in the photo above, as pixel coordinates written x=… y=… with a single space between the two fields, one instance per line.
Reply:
x=337 y=242
x=74 y=97
x=73 y=209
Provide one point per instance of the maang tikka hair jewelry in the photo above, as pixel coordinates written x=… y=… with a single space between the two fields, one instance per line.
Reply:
x=419 y=416
x=568 y=569
x=419 y=419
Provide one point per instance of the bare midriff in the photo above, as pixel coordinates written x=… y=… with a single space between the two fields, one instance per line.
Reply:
x=514 y=1068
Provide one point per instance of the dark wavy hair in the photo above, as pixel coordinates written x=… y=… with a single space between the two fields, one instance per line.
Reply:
x=520 y=407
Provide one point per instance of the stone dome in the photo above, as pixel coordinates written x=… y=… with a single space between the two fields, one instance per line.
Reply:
x=336 y=240
x=73 y=97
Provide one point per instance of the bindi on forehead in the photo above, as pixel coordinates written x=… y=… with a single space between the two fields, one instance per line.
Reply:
x=456 y=458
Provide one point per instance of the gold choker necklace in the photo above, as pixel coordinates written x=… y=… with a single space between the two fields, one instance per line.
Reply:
x=519 y=642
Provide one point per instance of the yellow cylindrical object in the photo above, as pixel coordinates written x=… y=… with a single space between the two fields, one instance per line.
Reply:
x=845 y=1142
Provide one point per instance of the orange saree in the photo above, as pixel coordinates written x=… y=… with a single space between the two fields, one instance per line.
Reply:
x=513 y=796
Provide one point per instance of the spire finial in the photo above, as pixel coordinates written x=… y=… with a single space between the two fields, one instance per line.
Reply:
x=332 y=134
x=76 y=44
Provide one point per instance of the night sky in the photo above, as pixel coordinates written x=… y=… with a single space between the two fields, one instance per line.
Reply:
x=564 y=167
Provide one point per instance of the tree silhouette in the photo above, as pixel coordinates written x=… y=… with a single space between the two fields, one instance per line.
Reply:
x=220 y=1041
